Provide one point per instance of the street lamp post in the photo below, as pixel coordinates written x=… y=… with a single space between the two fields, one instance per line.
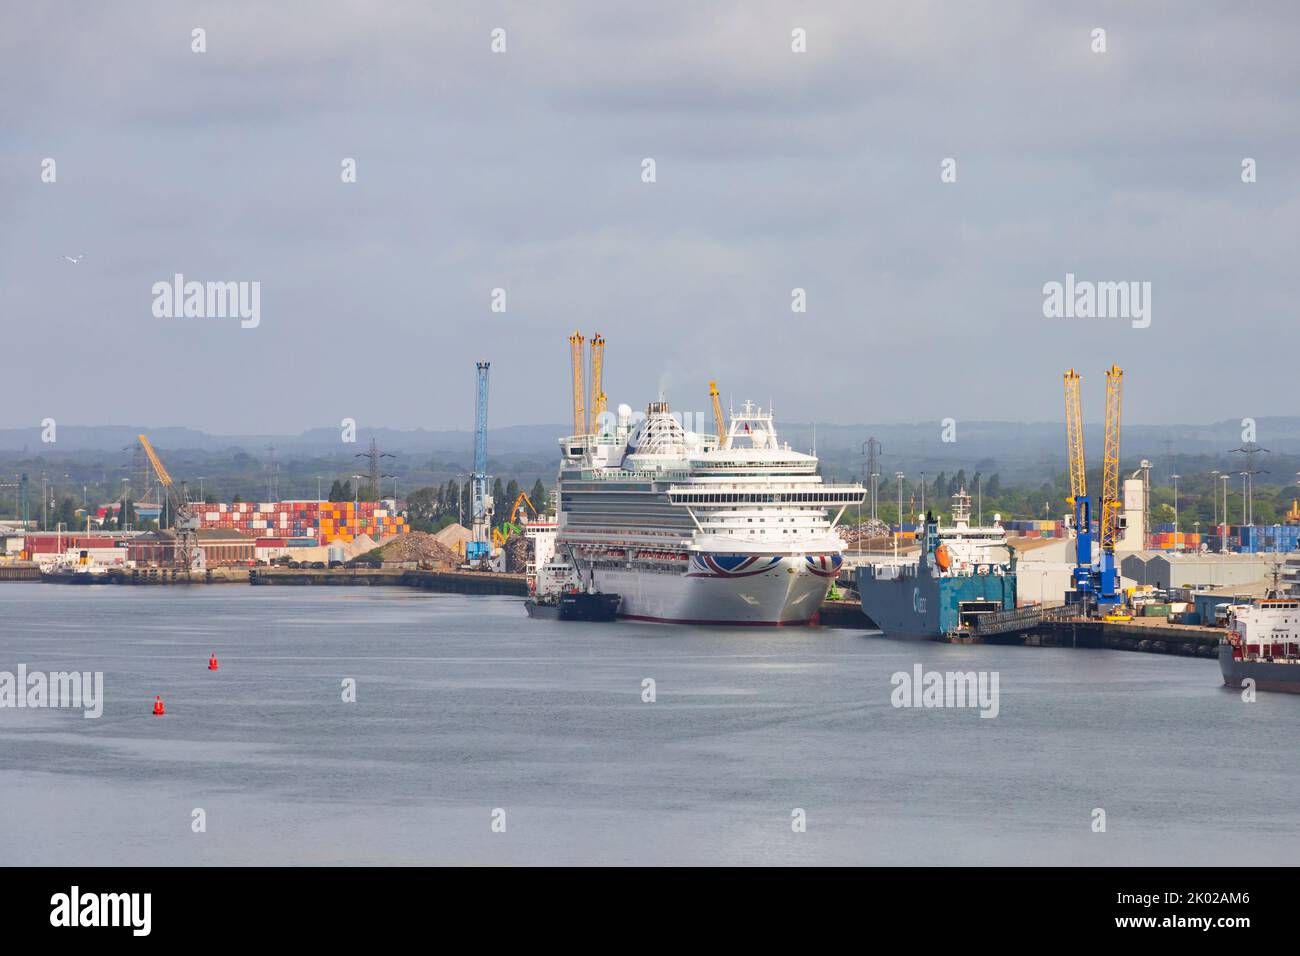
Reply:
x=1177 y=537
x=898 y=476
x=356 y=504
x=1214 y=495
x=922 y=492
x=460 y=499
x=1245 y=476
x=1223 y=536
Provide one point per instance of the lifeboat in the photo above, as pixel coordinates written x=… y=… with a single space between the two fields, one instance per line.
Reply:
x=943 y=557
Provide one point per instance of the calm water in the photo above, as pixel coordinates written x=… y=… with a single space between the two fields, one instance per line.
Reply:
x=464 y=705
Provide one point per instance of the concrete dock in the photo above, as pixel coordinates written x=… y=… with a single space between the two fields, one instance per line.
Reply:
x=1148 y=635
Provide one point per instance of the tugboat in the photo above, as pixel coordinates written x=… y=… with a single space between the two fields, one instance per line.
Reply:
x=1263 y=645
x=81 y=570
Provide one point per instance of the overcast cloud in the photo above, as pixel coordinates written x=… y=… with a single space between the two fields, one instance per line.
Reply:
x=775 y=170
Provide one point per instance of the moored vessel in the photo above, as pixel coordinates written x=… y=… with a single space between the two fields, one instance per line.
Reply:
x=1263 y=645
x=961 y=574
x=694 y=528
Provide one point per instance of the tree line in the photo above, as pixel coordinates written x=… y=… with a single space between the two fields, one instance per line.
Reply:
x=436 y=506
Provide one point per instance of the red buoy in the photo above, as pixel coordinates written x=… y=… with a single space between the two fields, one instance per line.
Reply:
x=212 y=662
x=158 y=708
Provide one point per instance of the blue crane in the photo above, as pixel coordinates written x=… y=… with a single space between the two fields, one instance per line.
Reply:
x=479 y=547
x=1096 y=582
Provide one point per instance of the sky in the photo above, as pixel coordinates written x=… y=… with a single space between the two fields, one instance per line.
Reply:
x=522 y=170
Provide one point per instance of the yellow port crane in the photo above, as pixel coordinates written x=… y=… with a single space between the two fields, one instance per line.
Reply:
x=1097 y=582
x=575 y=349
x=718 y=420
x=597 y=382
x=1110 y=503
x=185 y=522
x=1074 y=436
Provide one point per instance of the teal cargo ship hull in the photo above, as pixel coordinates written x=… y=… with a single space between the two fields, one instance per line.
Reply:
x=920 y=605
x=917 y=601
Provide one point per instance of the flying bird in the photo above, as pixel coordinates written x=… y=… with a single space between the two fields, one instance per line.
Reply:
x=74 y=259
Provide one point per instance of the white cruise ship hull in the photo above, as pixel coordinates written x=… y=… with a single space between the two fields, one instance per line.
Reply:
x=766 y=591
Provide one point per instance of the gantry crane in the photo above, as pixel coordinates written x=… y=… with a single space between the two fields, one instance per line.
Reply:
x=185 y=520
x=1096 y=582
x=718 y=420
x=579 y=417
x=597 y=383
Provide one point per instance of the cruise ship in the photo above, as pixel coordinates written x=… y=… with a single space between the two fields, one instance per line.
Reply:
x=692 y=529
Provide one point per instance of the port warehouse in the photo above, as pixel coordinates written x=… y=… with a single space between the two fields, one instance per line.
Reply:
x=221 y=547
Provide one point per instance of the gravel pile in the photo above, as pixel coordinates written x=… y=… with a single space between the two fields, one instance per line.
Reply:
x=422 y=548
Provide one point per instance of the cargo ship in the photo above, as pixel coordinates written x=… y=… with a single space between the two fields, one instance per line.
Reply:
x=574 y=606
x=961 y=574
x=557 y=589
x=692 y=528
x=1263 y=644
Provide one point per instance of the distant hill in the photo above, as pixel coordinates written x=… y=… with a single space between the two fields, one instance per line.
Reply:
x=1021 y=453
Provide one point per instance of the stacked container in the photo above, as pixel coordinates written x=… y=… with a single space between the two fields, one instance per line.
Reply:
x=319 y=521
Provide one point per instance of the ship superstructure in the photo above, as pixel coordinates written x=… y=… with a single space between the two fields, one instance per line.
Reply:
x=971 y=546
x=691 y=528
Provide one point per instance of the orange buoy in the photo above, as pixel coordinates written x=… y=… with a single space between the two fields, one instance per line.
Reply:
x=158 y=708
x=212 y=662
